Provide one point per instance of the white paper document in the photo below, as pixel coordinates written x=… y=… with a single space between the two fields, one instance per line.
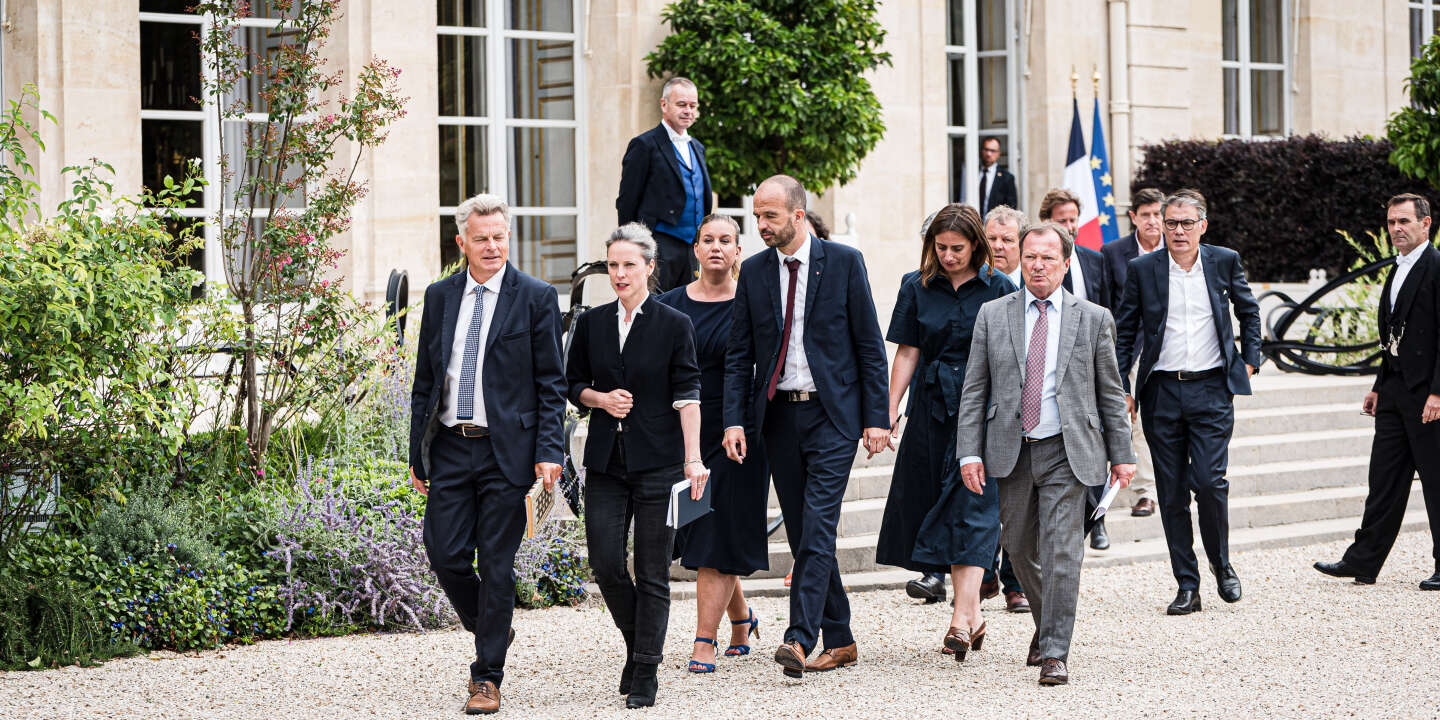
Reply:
x=1106 y=499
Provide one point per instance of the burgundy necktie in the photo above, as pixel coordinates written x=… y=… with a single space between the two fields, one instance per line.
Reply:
x=1035 y=369
x=793 y=266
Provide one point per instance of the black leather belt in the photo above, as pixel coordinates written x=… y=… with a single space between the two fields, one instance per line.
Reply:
x=1032 y=441
x=469 y=431
x=1186 y=375
x=796 y=396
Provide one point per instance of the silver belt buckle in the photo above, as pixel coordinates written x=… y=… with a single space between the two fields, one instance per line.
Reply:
x=800 y=396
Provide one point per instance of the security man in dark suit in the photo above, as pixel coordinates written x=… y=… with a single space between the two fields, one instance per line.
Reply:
x=1190 y=373
x=997 y=185
x=1405 y=399
x=486 y=424
x=665 y=183
x=806 y=366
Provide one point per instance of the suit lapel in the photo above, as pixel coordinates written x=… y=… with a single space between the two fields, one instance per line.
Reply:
x=812 y=287
x=502 y=306
x=635 y=341
x=607 y=336
x=1017 y=329
x=452 y=311
x=1162 y=291
x=667 y=149
x=1215 y=290
x=772 y=285
x=1069 y=330
x=1408 y=289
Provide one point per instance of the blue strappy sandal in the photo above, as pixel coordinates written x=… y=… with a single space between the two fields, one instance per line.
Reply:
x=699 y=667
x=754 y=623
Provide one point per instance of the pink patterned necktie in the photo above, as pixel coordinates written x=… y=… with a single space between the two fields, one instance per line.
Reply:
x=1035 y=369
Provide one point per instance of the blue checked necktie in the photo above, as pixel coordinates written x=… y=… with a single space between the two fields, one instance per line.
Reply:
x=466 y=401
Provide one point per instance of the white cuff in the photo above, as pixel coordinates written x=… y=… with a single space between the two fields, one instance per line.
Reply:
x=682 y=403
x=969 y=459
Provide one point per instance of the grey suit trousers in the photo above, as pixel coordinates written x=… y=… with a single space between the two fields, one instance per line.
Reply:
x=1042 y=508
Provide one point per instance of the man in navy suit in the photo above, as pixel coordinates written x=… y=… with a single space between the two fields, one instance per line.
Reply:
x=486 y=423
x=806 y=366
x=1147 y=217
x=997 y=185
x=1179 y=302
x=665 y=183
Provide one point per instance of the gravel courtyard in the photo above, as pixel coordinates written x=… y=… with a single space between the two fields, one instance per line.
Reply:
x=1299 y=645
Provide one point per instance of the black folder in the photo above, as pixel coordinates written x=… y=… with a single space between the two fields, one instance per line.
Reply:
x=683 y=510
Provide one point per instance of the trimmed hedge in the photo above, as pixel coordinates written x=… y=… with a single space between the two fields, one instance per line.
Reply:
x=1279 y=203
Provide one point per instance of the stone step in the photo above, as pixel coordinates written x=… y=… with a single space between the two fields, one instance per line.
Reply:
x=857 y=517
x=1309 y=445
x=865 y=483
x=1300 y=418
x=1275 y=389
x=1258 y=511
x=1293 y=475
x=1241 y=539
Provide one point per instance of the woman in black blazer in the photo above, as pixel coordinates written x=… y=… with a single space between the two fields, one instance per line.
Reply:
x=634 y=359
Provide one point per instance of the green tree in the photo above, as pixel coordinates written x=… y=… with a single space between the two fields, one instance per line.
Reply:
x=1415 y=129
x=782 y=86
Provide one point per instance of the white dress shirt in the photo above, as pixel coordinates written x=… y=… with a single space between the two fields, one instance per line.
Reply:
x=1016 y=277
x=1403 y=264
x=681 y=141
x=796 y=375
x=1049 y=424
x=1190 y=342
x=457 y=348
x=1077 y=277
x=624 y=326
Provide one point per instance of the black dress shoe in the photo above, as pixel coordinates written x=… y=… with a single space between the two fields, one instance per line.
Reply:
x=1227 y=583
x=929 y=587
x=1186 y=602
x=1432 y=582
x=644 y=686
x=1099 y=539
x=1343 y=569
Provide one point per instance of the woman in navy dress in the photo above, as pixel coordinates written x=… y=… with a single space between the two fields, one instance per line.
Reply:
x=932 y=523
x=730 y=541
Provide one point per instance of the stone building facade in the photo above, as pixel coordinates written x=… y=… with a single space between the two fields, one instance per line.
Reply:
x=536 y=99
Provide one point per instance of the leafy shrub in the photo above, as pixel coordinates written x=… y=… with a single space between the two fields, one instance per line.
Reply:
x=1274 y=202
x=47 y=618
x=1415 y=129
x=148 y=524
x=550 y=568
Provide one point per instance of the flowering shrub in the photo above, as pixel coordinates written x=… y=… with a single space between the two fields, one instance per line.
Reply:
x=354 y=558
x=550 y=568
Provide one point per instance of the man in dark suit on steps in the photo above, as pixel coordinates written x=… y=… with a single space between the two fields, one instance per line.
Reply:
x=665 y=183
x=486 y=423
x=806 y=366
x=1405 y=399
x=997 y=185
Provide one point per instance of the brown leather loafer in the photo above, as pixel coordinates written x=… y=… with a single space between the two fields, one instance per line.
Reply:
x=1015 y=602
x=1033 y=658
x=484 y=698
x=792 y=658
x=1053 y=672
x=834 y=658
x=1144 y=507
x=989 y=589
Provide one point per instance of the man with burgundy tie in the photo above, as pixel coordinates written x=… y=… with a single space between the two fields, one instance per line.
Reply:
x=1043 y=413
x=486 y=423
x=806 y=366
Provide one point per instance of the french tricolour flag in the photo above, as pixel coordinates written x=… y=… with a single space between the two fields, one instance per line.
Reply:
x=1079 y=180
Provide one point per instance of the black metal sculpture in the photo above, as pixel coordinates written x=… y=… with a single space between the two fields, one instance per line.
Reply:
x=1300 y=355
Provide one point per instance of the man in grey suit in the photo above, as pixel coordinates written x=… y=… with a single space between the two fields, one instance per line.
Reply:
x=1043 y=411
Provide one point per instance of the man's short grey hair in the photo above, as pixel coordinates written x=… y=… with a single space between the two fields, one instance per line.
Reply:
x=672 y=82
x=1067 y=243
x=1193 y=198
x=1005 y=215
x=638 y=234
x=481 y=205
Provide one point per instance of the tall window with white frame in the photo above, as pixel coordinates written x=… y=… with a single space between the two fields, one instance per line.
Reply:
x=509 y=102
x=979 y=52
x=1424 y=23
x=180 y=126
x=1256 y=67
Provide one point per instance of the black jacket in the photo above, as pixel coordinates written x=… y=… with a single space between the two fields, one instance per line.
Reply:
x=1117 y=256
x=650 y=186
x=522 y=380
x=1003 y=193
x=1416 y=319
x=658 y=367
x=1092 y=264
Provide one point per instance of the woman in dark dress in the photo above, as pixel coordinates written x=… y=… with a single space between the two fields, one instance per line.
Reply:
x=730 y=541
x=932 y=523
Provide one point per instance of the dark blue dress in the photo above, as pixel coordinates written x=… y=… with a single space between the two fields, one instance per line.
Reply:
x=731 y=539
x=927 y=525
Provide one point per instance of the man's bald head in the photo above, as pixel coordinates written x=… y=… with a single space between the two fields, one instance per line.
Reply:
x=790 y=189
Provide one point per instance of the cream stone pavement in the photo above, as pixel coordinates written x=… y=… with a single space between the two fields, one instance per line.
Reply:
x=1300 y=645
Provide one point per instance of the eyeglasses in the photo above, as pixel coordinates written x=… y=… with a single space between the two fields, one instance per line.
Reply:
x=1187 y=224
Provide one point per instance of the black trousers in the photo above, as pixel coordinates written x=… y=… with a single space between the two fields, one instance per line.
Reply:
x=810 y=463
x=1188 y=424
x=676 y=265
x=639 y=607
x=474 y=510
x=1402 y=445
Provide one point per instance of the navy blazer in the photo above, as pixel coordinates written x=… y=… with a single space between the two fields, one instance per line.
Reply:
x=842 y=340
x=1146 y=305
x=522 y=380
x=1117 y=257
x=658 y=367
x=1416 y=317
x=650 y=180
x=1003 y=193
